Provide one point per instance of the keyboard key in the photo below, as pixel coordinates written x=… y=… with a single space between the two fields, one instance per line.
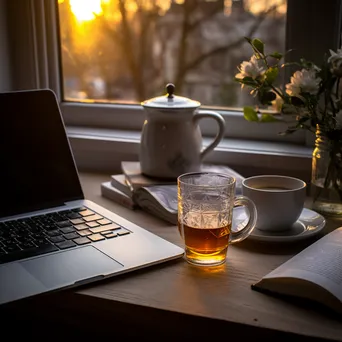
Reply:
x=82 y=241
x=86 y=212
x=73 y=215
x=77 y=221
x=71 y=236
x=92 y=218
x=53 y=233
x=122 y=232
x=96 y=237
x=110 y=235
x=27 y=253
x=63 y=224
x=12 y=248
x=67 y=230
x=64 y=212
x=104 y=221
x=10 y=241
x=85 y=232
x=65 y=244
x=56 y=239
x=42 y=242
x=81 y=226
x=22 y=238
x=92 y=224
x=27 y=245
x=51 y=226
x=76 y=210
x=106 y=232
x=38 y=236
x=100 y=229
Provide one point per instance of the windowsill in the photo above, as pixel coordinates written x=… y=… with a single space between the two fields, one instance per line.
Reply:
x=102 y=150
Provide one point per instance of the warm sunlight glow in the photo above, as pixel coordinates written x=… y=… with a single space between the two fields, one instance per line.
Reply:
x=85 y=10
x=258 y=6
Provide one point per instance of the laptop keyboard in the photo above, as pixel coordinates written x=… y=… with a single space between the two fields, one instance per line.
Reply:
x=36 y=235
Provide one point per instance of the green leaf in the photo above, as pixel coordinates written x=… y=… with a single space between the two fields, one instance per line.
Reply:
x=266 y=97
x=248 y=79
x=276 y=55
x=271 y=74
x=258 y=44
x=268 y=118
x=250 y=114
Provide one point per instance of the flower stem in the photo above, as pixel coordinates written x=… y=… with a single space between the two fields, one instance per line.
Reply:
x=276 y=90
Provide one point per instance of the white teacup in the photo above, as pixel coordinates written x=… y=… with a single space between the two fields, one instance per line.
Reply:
x=279 y=200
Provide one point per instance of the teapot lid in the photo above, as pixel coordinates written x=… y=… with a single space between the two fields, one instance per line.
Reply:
x=170 y=100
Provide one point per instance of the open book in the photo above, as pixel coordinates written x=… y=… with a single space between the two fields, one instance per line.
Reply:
x=314 y=274
x=116 y=195
x=159 y=197
x=156 y=196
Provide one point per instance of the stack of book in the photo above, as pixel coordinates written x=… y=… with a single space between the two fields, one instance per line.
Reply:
x=134 y=190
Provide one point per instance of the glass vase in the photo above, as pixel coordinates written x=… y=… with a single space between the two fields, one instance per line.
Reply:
x=326 y=177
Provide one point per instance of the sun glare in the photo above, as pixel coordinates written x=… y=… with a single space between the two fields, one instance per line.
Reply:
x=85 y=10
x=259 y=6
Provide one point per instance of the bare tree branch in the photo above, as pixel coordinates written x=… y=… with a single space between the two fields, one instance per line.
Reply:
x=208 y=16
x=222 y=49
x=128 y=47
x=189 y=7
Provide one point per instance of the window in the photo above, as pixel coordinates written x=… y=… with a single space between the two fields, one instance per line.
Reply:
x=126 y=51
x=123 y=52
x=38 y=29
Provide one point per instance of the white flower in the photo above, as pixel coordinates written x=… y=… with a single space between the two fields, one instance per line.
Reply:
x=336 y=62
x=335 y=56
x=254 y=68
x=304 y=81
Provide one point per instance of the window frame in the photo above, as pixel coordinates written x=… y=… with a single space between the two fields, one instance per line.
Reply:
x=35 y=63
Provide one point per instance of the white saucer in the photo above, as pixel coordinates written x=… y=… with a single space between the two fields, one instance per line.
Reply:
x=309 y=224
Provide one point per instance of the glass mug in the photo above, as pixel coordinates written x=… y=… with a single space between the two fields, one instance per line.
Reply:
x=205 y=209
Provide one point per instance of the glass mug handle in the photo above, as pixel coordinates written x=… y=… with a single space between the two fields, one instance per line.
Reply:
x=247 y=229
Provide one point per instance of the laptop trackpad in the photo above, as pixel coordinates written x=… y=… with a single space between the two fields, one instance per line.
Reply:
x=70 y=266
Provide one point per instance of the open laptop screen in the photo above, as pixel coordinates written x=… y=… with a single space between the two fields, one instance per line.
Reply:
x=37 y=168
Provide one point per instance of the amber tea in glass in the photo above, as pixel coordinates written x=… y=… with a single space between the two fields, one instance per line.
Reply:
x=205 y=208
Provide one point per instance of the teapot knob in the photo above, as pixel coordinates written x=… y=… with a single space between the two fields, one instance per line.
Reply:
x=170 y=88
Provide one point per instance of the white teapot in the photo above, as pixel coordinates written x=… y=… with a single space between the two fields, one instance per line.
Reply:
x=171 y=140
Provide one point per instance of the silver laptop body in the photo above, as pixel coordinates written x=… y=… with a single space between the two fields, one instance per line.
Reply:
x=51 y=237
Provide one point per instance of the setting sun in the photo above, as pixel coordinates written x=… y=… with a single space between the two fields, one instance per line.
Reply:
x=85 y=10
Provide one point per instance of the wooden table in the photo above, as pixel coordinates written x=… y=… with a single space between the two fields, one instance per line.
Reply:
x=176 y=299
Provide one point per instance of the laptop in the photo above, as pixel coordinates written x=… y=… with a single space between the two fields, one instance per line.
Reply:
x=51 y=237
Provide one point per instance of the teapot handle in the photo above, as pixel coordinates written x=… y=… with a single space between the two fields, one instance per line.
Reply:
x=201 y=114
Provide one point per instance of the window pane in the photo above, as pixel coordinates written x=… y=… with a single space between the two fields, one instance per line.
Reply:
x=127 y=51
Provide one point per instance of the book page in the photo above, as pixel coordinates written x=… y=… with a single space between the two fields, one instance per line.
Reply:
x=160 y=200
x=320 y=263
